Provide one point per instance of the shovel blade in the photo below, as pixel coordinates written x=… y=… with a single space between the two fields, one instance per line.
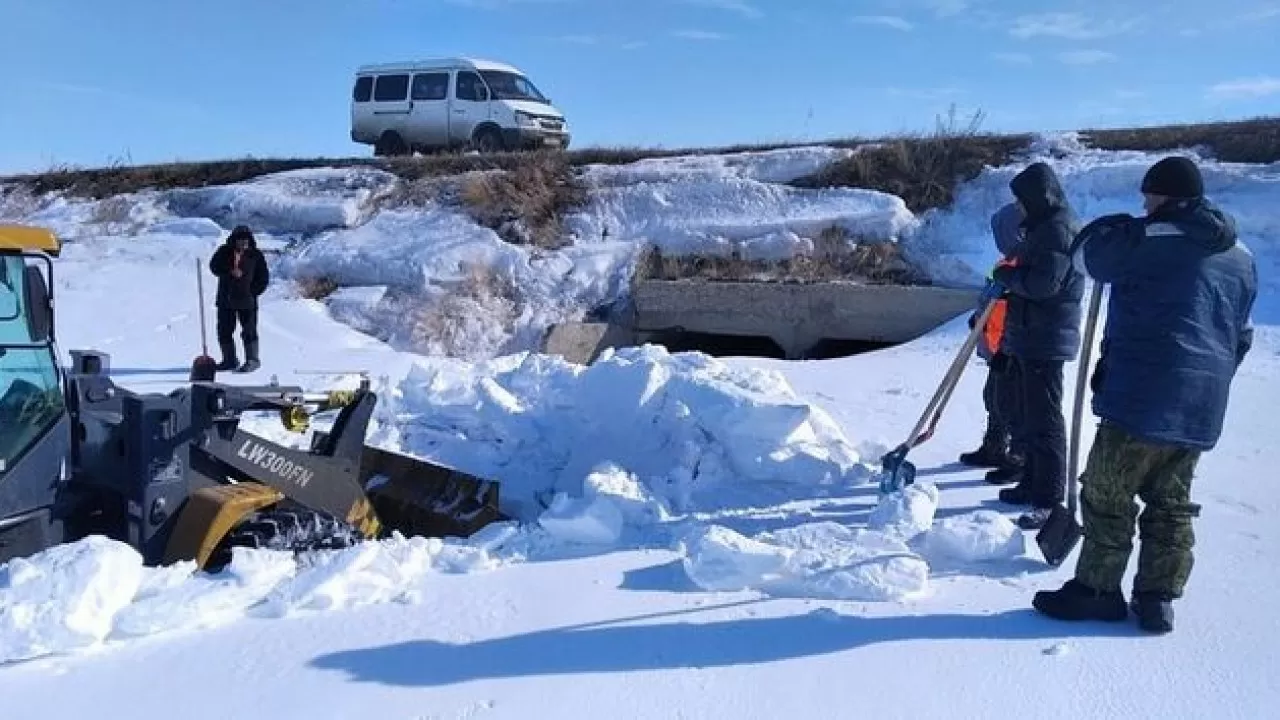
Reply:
x=1059 y=536
x=897 y=473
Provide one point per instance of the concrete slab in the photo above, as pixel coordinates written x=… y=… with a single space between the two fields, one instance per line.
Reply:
x=798 y=315
x=582 y=343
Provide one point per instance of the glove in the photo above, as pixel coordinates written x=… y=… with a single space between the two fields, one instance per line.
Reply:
x=993 y=290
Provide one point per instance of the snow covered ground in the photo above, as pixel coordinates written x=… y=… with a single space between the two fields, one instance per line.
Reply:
x=697 y=537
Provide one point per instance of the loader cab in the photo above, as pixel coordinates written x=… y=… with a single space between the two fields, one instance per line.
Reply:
x=34 y=429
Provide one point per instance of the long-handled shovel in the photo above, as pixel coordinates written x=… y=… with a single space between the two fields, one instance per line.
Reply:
x=898 y=472
x=204 y=368
x=1062 y=532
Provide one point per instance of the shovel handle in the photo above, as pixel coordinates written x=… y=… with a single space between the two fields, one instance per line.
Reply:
x=949 y=381
x=204 y=339
x=1082 y=381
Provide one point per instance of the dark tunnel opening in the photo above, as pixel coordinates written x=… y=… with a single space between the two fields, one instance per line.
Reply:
x=722 y=345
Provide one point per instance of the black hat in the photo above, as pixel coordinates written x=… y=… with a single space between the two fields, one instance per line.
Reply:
x=1175 y=177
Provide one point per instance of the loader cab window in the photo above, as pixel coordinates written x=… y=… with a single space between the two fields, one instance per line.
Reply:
x=30 y=394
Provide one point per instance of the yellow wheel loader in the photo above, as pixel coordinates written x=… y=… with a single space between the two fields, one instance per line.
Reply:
x=174 y=475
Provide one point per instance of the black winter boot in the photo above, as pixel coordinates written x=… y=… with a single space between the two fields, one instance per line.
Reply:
x=251 y=362
x=1007 y=473
x=1017 y=495
x=994 y=451
x=229 y=360
x=1075 y=601
x=1154 y=611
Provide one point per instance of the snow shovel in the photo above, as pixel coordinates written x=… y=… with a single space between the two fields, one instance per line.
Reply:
x=1061 y=532
x=898 y=472
x=204 y=368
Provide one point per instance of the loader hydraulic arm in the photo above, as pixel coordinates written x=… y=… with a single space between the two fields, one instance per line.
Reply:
x=324 y=476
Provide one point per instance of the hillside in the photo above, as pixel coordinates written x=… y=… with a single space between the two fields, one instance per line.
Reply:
x=473 y=257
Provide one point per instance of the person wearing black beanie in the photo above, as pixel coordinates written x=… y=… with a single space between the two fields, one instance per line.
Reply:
x=1182 y=288
x=1173 y=177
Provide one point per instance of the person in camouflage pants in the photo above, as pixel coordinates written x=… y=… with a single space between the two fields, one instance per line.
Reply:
x=1121 y=467
x=1178 y=326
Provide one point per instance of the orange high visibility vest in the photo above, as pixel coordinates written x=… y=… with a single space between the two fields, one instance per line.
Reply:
x=993 y=331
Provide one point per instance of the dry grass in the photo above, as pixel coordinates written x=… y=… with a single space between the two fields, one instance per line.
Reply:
x=837 y=256
x=457 y=323
x=525 y=205
x=1249 y=141
x=18 y=201
x=316 y=288
x=923 y=171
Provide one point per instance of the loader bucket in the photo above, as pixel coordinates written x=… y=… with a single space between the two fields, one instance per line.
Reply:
x=417 y=497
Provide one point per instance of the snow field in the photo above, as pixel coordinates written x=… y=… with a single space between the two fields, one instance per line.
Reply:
x=642 y=449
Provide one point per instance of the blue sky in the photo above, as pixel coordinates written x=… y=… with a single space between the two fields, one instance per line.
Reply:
x=92 y=82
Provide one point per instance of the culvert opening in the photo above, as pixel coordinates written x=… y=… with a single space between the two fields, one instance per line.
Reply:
x=831 y=348
x=717 y=345
x=721 y=345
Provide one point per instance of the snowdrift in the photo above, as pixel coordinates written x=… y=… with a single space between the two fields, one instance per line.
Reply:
x=698 y=434
x=77 y=596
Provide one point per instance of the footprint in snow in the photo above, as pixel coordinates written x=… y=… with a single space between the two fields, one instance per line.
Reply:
x=1060 y=648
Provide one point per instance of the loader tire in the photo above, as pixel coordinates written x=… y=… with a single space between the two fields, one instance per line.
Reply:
x=286 y=528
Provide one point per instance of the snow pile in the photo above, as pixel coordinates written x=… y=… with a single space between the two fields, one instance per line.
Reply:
x=696 y=434
x=979 y=536
x=76 y=596
x=736 y=204
x=293 y=203
x=822 y=560
x=65 y=598
x=433 y=281
x=612 y=500
x=764 y=166
x=906 y=514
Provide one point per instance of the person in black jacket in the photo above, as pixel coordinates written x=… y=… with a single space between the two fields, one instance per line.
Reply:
x=1182 y=289
x=243 y=276
x=1042 y=334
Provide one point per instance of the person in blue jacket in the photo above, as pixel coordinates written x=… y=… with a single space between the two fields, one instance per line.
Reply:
x=1178 y=326
x=1042 y=334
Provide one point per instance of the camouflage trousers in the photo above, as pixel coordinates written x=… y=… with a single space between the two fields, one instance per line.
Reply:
x=1119 y=468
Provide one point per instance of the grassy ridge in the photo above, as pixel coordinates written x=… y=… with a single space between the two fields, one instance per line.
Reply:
x=922 y=169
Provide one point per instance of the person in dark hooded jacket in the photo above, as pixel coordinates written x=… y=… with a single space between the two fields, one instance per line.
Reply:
x=243 y=276
x=1042 y=334
x=1178 y=326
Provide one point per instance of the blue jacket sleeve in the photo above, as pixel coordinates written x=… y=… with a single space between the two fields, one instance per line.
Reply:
x=1043 y=263
x=1105 y=247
